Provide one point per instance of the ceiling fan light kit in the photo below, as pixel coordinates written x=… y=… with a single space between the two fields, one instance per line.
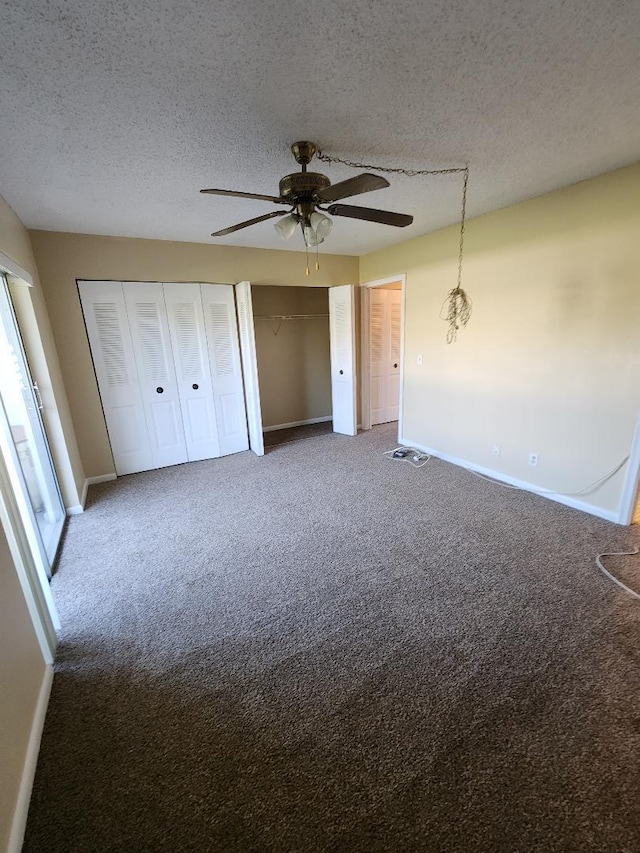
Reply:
x=305 y=192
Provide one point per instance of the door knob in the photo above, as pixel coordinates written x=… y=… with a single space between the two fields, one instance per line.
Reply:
x=395 y=365
x=195 y=386
x=159 y=389
x=341 y=372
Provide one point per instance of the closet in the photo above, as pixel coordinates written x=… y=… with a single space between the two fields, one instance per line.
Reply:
x=298 y=357
x=293 y=354
x=167 y=361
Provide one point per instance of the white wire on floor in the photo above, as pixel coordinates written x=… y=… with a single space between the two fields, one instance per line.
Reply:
x=613 y=578
x=414 y=457
x=541 y=491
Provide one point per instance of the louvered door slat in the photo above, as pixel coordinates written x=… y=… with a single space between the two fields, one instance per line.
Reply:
x=396 y=324
x=111 y=343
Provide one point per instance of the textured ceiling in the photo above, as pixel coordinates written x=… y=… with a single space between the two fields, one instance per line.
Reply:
x=114 y=113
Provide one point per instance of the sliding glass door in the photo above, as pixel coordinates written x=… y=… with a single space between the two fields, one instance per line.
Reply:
x=24 y=444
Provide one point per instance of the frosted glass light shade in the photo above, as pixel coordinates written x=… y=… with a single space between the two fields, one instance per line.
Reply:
x=286 y=226
x=318 y=228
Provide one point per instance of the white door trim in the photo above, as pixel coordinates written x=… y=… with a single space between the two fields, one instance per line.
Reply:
x=365 y=345
x=631 y=488
x=12 y=268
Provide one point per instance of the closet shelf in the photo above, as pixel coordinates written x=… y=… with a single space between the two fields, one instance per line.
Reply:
x=290 y=316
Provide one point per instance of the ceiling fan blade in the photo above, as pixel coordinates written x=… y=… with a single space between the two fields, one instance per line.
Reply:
x=238 y=194
x=364 y=183
x=385 y=217
x=246 y=224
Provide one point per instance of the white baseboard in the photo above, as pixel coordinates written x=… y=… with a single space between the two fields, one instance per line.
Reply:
x=19 y=822
x=101 y=478
x=298 y=423
x=89 y=481
x=608 y=515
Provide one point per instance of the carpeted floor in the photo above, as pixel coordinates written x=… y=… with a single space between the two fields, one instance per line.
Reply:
x=329 y=650
x=299 y=433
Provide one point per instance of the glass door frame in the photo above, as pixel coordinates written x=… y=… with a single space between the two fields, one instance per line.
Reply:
x=45 y=470
x=28 y=565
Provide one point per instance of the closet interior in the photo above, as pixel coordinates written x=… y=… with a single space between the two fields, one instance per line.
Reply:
x=294 y=363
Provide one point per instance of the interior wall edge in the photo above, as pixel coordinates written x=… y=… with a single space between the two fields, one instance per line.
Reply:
x=19 y=822
x=630 y=495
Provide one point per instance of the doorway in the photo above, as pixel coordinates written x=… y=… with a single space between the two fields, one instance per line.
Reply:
x=298 y=358
x=293 y=355
x=382 y=327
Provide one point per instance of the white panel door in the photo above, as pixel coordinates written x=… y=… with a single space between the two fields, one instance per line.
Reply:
x=107 y=325
x=156 y=375
x=250 y=366
x=193 y=374
x=343 y=358
x=226 y=370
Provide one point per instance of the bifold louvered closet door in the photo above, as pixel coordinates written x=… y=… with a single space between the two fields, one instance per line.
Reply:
x=168 y=368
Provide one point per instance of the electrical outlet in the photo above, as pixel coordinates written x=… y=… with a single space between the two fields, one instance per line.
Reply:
x=419 y=359
x=533 y=459
x=496 y=450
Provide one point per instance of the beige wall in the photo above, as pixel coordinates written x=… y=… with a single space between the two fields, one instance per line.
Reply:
x=22 y=670
x=22 y=665
x=550 y=360
x=63 y=258
x=294 y=367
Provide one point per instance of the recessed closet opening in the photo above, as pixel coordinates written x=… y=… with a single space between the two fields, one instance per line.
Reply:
x=294 y=361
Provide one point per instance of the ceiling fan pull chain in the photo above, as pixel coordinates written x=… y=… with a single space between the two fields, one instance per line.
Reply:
x=306 y=251
x=393 y=170
x=457 y=307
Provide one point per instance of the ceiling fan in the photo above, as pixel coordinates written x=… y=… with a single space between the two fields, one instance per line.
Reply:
x=306 y=193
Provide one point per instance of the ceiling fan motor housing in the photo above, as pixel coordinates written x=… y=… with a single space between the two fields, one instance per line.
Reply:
x=301 y=186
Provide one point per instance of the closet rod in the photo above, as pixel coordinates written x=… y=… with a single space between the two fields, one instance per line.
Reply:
x=290 y=316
